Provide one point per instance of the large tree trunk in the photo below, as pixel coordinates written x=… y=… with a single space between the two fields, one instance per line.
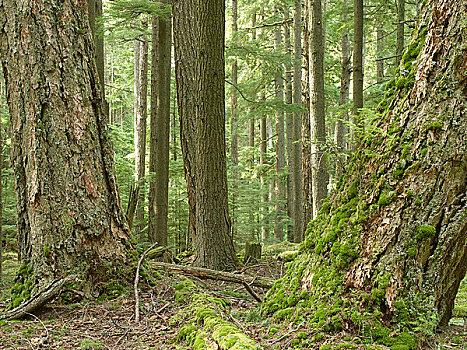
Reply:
x=392 y=239
x=199 y=28
x=69 y=218
x=160 y=130
x=317 y=107
x=297 y=126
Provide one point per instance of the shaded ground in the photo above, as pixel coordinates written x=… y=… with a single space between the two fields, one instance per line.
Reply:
x=110 y=324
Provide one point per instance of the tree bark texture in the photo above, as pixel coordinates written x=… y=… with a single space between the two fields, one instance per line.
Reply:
x=68 y=209
x=317 y=107
x=199 y=27
x=297 y=126
x=160 y=130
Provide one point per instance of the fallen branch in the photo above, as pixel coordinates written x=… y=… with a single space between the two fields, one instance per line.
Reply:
x=200 y=272
x=39 y=299
x=140 y=261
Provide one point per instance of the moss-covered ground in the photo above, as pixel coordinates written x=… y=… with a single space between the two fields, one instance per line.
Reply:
x=182 y=313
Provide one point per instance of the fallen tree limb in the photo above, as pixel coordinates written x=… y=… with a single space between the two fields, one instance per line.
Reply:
x=39 y=299
x=214 y=275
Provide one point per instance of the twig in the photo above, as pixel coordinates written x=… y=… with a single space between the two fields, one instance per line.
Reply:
x=43 y=325
x=288 y=333
x=137 y=281
x=252 y=292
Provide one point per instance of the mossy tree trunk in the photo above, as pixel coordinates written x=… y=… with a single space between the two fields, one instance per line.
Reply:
x=69 y=218
x=391 y=240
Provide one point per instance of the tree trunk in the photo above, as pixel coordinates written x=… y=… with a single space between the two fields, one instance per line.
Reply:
x=251 y=143
x=263 y=162
x=199 y=28
x=379 y=50
x=297 y=125
x=317 y=107
x=141 y=118
x=289 y=124
x=400 y=30
x=340 y=129
x=357 y=69
x=280 y=190
x=234 y=125
x=69 y=218
x=306 y=126
x=160 y=130
x=395 y=243
x=1 y=192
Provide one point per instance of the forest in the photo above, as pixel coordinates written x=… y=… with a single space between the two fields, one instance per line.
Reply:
x=208 y=174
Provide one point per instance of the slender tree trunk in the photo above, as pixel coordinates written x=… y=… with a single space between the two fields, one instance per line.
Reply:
x=280 y=190
x=289 y=125
x=140 y=133
x=379 y=50
x=264 y=183
x=297 y=126
x=234 y=124
x=160 y=130
x=341 y=129
x=400 y=30
x=69 y=218
x=317 y=108
x=199 y=29
x=357 y=67
x=251 y=144
x=306 y=126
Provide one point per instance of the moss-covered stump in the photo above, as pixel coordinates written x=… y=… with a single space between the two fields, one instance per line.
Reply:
x=385 y=257
x=204 y=321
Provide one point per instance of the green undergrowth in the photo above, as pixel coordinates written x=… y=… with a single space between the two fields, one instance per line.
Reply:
x=204 y=320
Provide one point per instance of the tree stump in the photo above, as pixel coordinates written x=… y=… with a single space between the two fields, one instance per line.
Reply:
x=252 y=252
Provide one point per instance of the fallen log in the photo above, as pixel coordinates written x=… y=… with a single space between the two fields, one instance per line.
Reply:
x=201 y=272
x=39 y=299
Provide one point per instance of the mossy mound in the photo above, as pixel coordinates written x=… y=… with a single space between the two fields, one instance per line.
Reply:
x=204 y=319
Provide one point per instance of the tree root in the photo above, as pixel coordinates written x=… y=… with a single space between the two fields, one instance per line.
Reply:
x=39 y=299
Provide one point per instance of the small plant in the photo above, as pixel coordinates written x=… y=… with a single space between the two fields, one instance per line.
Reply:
x=90 y=344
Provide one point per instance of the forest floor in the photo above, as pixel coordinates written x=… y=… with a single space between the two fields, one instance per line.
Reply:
x=109 y=323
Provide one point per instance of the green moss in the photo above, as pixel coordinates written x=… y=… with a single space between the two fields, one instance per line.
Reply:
x=386 y=198
x=425 y=232
x=46 y=252
x=411 y=252
x=284 y=314
x=343 y=346
x=325 y=347
x=434 y=125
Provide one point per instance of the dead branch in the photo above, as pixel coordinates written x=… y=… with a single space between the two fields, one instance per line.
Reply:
x=140 y=261
x=39 y=299
x=200 y=272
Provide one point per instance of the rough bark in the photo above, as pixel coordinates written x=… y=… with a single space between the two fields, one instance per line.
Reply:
x=379 y=50
x=392 y=238
x=1 y=192
x=263 y=162
x=317 y=107
x=281 y=180
x=297 y=126
x=160 y=131
x=199 y=28
x=69 y=218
